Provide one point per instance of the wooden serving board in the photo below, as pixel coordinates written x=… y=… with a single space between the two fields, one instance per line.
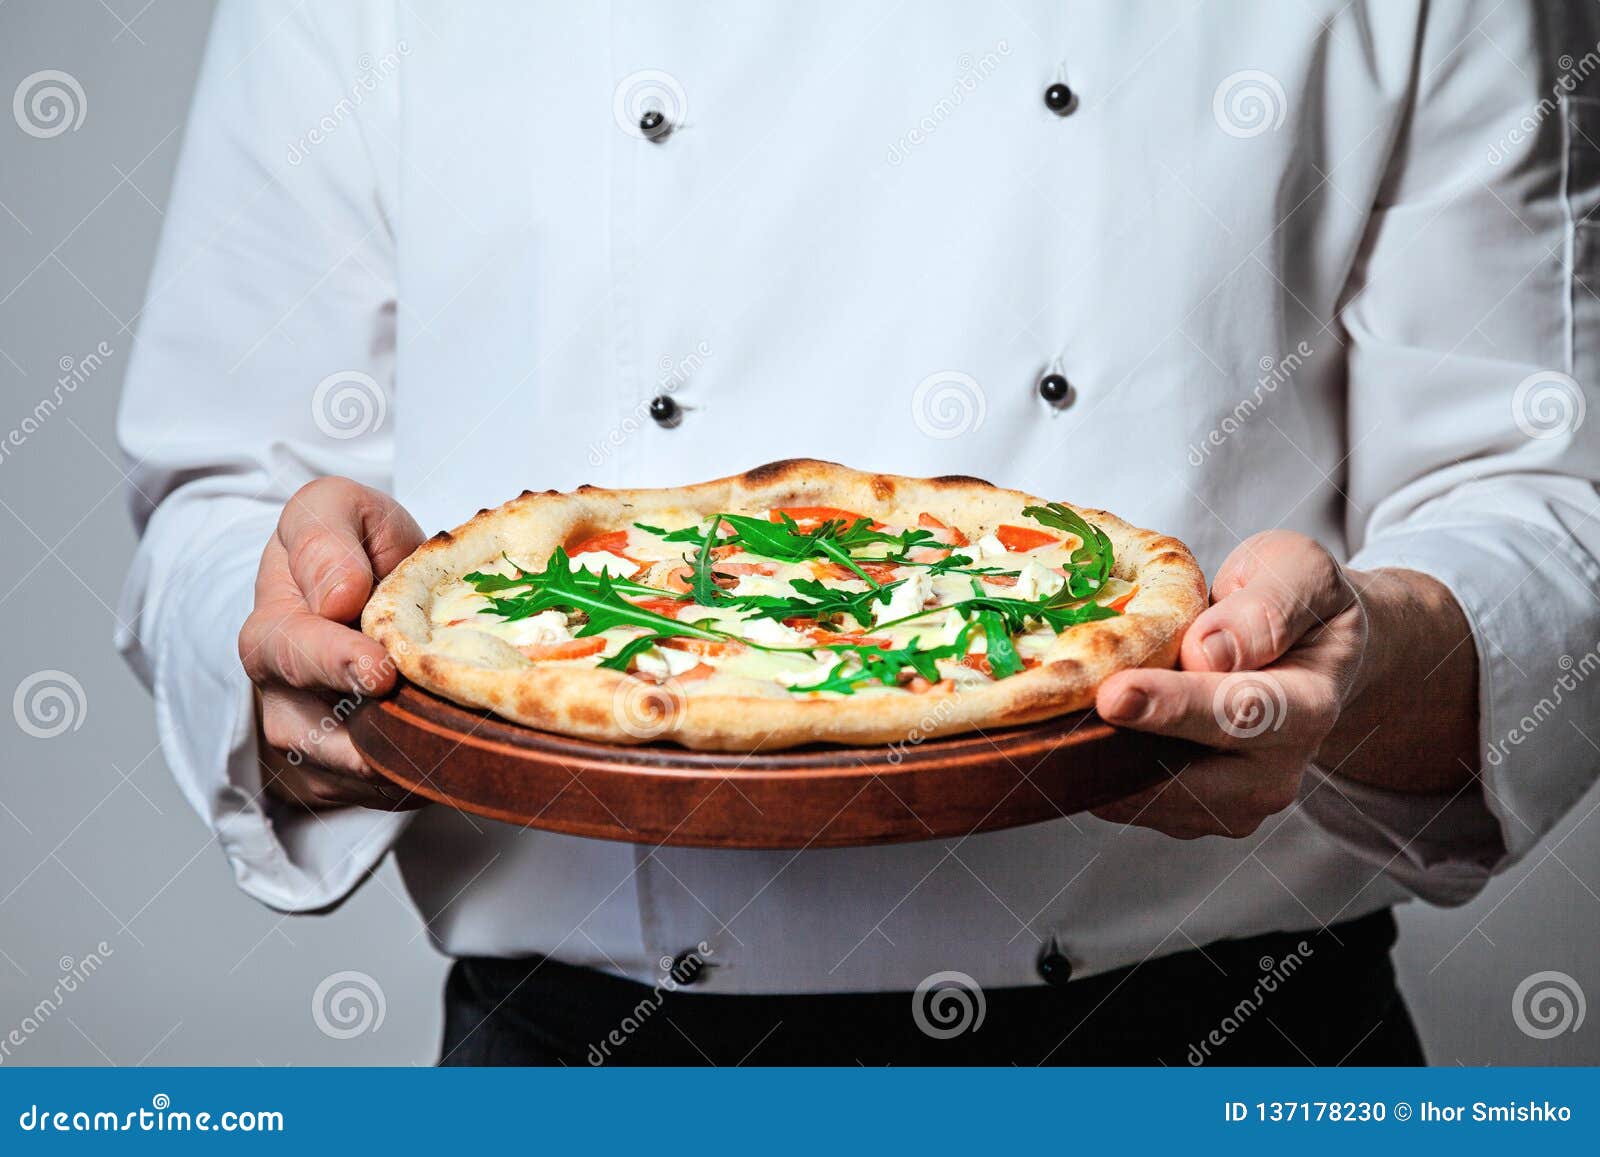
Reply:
x=822 y=796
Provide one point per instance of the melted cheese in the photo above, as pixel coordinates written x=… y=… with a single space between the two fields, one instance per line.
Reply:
x=461 y=629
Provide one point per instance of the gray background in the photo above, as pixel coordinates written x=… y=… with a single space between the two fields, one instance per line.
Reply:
x=97 y=845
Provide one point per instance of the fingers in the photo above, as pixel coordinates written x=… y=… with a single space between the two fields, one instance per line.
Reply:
x=337 y=536
x=310 y=729
x=1284 y=707
x=323 y=535
x=283 y=644
x=1269 y=593
x=309 y=760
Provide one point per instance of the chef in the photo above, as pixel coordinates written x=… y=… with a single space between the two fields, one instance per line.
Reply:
x=1311 y=286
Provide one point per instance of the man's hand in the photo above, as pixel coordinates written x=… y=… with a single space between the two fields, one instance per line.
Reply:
x=334 y=540
x=1298 y=658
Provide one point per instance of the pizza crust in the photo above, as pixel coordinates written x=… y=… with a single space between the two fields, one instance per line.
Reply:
x=594 y=703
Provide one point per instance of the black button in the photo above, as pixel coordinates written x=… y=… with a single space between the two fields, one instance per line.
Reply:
x=1059 y=99
x=665 y=411
x=1056 y=390
x=654 y=125
x=1054 y=968
x=688 y=968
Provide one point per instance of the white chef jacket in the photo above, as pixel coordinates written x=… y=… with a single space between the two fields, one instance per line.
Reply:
x=1298 y=262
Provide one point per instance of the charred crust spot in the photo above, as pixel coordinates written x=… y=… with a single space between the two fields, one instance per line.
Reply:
x=882 y=487
x=1102 y=645
x=779 y=470
x=961 y=480
x=587 y=487
x=1170 y=558
x=482 y=510
x=442 y=537
x=1067 y=668
x=589 y=713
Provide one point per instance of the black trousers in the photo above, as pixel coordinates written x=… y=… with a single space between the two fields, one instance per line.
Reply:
x=1323 y=998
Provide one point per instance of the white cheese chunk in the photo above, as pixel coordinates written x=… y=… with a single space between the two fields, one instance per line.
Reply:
x=596 y=561
x=760 y=584
x=665 y=662
x=810 y=674
x=536 y=630
x=906 y=599
x=771 y=632
x=938 y=630
x=1035 y=581
x=991 y=547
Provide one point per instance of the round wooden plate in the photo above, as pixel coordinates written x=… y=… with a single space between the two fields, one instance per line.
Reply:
x=805 y=797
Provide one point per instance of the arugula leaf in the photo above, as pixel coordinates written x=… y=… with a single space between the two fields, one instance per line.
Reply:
x=1001 y=650
x=1091 y=563
x=885 y=665
x=821 y=602
x=494 y=583
x=559 y=587
x=687 y=534
x=631 y=650
x=785 y=541
x=703 y=585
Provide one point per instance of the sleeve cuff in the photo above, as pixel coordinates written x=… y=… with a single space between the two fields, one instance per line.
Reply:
x=182 y=644
x=1529 y=598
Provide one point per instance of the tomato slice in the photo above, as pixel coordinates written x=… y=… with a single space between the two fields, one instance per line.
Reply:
x=694 y=674
x=660 y=606
x=570 y=649
x=766 y=568
x=703 y=646
x=826 y=637
x=819 y=514
x=1018 y=539
x=1000 y=580
x=952 y=536
x=612 y=542
x=882 y=572
x=978 y=662
x=1121 y=603
x=921 y=686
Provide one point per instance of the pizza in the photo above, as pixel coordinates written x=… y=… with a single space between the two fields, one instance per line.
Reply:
x=800 y=602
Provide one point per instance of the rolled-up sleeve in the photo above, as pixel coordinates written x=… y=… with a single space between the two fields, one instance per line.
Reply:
x=264 y=359
x=1474 y=328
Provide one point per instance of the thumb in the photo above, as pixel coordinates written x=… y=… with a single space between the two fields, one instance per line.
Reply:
x=1269 y=593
